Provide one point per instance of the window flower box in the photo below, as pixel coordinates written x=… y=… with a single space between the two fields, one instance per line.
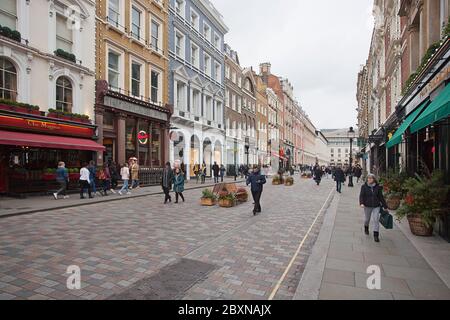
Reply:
x=10 y=105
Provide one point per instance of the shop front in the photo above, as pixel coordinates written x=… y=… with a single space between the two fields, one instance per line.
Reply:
x=132 y=128
x=31 y=145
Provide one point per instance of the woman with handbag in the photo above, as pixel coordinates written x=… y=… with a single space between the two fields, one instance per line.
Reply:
x=372 y=200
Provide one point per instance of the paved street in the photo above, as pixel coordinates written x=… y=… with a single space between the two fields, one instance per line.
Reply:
x=142 y=249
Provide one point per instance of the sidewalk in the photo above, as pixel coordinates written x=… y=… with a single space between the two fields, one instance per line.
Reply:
x=337 y=268
x=13 y=206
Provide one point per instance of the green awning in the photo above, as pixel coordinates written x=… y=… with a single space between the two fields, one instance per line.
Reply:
x=397 y=137
x=439 y=109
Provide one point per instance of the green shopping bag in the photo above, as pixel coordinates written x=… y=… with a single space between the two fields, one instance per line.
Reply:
x=386 y=219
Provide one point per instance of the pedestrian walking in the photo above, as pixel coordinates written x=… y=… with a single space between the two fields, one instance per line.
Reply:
x=85 y=182
x=318 y=174
x=178 y=184
x=222 y=172
x=256 y=180
x=196 y=171
x=339 y=177
x=216 y=172
x=167 y=182
x=62 y=177
x=134 y=174
x=114 y=176
x=203 y=173
x=371 y=199
x=357 y=172
x=125 y=175
x=92 y=176
x=104 y=177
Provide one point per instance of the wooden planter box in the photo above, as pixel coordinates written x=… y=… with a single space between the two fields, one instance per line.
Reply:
x=19 y=109
x=49 y=176
x=207 y=202
x=74 y=176
x=276 y=183
x=242 y=197
x=226 y=203
x=288 y=184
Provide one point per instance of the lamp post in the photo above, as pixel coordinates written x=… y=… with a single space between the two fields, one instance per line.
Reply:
x=351 y=135
x=247 y=147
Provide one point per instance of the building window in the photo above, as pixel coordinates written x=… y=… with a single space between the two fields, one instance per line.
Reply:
x=217 y=41
x=64 y=97
x=136 y=23
x=8 y=14
x=218 y=72
x=194 y=55
x=135 y=79
x=194 y=20
x=196 y=102
x=114 y=12
x=207 y=65
x=179 y=44
x=64 y=35
x=155 y=76
x=8 y=80
x=179 y=7
x=155 y=35
x=227 y=71
x=113 y=69
x=207 y=32
x=181 y=96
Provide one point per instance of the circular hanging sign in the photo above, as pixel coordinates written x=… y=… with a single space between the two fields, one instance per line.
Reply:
x=173 y=136
x=143 y=137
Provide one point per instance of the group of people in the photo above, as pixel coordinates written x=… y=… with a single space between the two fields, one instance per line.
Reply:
x=201 y=172
x=95 y=181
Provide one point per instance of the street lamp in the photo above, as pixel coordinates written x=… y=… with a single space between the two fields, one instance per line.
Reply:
x=247 y=147
x=351 y=135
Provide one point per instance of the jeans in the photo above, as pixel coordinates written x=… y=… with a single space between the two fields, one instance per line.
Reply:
x=85 y=185
x=177 y=194
x=338 y=186
x=257 y=198
x=374 y=215
x=93 y=185
x=167 y=194
x=216 y=179
x=135 y=183
x=63 y=188
x=125 y=186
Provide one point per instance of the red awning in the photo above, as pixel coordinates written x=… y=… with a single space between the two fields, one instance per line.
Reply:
x=46 y=141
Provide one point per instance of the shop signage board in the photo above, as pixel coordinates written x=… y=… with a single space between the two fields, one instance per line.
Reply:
x=44 y=126
x=143 y=137
x=135 y=108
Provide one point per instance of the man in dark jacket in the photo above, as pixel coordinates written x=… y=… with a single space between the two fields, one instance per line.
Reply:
x=371 y=199
x=216 y=172
x=357 y=171
x=339 y=177
x=318 y=174
x=167 y=182
x=256 y=180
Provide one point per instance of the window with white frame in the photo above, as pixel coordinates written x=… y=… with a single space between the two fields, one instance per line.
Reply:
x=113 y=69
x=239 y=104
x=156 y=35
x=233 y=76
x=233 y=101
x=227 y=71
x=114 y=12
x=209 y=107
x=179 y=44
x=219 y=114
x=8 y=80
x=180 y=7
x=195 y=53
x=8 y=13
x=207 y=64
x=64 y=36
x=155 y=82
x=217 y=41
x=194 y=20
x=239 y=82
x=217 y=72
x=181 y=100
x=207 y=31
x=136 y=78
x=136 y=23
x=196 y=102
x=64 y=94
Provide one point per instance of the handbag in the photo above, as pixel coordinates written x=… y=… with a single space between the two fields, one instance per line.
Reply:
x=386 y=219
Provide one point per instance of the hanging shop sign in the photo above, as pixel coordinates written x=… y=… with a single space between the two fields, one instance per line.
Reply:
x=44 y=126
x=143 y=137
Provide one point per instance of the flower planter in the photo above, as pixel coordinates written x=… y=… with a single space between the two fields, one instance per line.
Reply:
x=207 y=202
x=74 y=176
x=49 y=176
x=226 y=203
x=393 y=203
x=242 y=197
x=276 y=183
x=288 y=184
x=418 y=228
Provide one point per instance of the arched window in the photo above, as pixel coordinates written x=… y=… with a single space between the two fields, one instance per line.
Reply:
x=8 y=80
x=64 y=96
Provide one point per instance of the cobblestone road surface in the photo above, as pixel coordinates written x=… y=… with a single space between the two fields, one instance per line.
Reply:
x=143 y=249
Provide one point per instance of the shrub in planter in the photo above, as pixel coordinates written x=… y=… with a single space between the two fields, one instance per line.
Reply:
x=208 y=198
x=65 y=55
x=11 y=34
x=18 y=106
x=276 y=180
x=425 y=201
x=289 y=181
x=227 y=199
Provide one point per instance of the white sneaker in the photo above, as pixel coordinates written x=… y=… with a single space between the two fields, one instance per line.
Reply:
x=128 y=193
x=55 y=195
x=113 y=191
x=66 y=197
x=120 y=192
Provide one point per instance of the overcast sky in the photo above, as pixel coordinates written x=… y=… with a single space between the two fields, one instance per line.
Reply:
x=318 y=45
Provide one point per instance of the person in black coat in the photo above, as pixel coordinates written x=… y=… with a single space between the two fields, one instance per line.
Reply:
x=167 y=182
x=371 y=199
x=216 y=172
x=339 y=177
x=257 y=181
x=318 y=173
